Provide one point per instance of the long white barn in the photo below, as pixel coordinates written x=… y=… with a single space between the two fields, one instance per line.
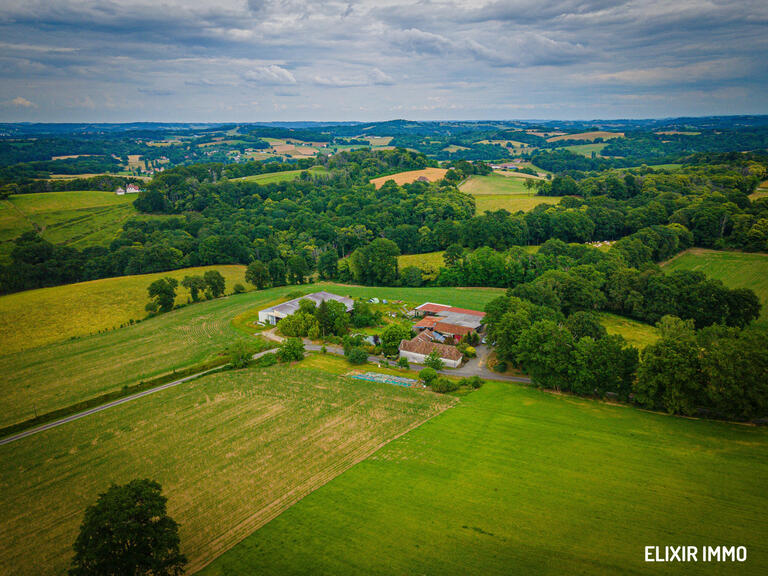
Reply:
x=274 y=314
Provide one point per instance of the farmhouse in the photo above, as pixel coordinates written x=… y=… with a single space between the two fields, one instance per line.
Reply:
x=132 y=189
x=420 y=346
x=450 y=322
x=274 y=314
x=120 y=191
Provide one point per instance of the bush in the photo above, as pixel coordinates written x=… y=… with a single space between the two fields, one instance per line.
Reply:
x=239 y=354
x=470 y=352
x=291 y=350
x=428 y=375
x=434 y=360
x=500 y=367
x=267 y=360
x=238 y=288
x=443 y=385
x=357 y=355
x=472 y=382
x=403 y=362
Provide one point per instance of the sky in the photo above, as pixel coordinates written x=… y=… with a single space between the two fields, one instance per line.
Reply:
x=279 y=60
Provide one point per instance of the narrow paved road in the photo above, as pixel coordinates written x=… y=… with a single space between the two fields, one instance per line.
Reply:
x=44 y=427
x=475 y=367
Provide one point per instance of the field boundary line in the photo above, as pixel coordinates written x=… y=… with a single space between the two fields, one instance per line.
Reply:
x=281 y=504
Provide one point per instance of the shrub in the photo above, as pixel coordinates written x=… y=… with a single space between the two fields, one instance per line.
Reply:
x=239 y=354
x=403 y=362
x=291 y=350
x=357 y=355
x=238 y=288
x=443 y=385
x=472 y=382
x=500 y=367
x=428 y=375
x=470 y=352
x=267 y=360
x=434 y=360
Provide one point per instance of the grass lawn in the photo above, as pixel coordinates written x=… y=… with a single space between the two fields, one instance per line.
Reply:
x=735 y=269
x=518 y=481
x=231 y=450
x=59 y=374
x=275 y=177
x=78 y=219
x=638 y=334
x=39 y=317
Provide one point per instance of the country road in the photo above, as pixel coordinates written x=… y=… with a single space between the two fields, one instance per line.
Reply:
x=474 y=367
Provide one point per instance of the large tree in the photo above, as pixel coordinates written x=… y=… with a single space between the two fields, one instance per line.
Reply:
x=128 y=533
x=215 y=283
x=163 y=294
x=257 y=274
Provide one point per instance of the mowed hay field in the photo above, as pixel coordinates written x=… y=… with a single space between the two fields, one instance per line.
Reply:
x=431 y=174
x=231 y=450
x=45 y=378
x=39 y=317
x=638 y=334
x=78 y=219
x=519 y=481
x=496 y=192
x=735 y=269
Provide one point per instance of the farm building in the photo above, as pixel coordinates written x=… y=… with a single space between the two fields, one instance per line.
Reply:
x=120 y=191
x=420 y=346
x=132 y=189
x=274 y=314
x=450 y=322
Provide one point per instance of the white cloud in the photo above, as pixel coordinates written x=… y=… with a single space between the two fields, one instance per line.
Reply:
x=21 y=102
x=272 y=74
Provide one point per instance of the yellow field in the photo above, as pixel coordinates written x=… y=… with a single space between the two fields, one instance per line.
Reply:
x=587 y=136
x=232 y=451
x=429 y=262
x=39 y=317
x=431 y=174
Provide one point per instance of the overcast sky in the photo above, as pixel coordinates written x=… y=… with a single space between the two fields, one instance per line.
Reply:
x=262 y=60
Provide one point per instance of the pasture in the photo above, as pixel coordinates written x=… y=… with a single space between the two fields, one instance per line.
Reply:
x=496 y=192
x=760 y=192
x=232 y=451
x=48 y=377
x=735 y=269
x=429 y=262
x=431 y=174
x=77 y=219
x=514 y=480
x=637 y=334
x=587 y=136
x=46 y=315
x=285 y=176
x=586 y=149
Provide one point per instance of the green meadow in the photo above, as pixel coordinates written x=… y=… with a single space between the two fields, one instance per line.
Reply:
x=638 y=334
x=286 y=176
x=515 y=480
x=496 y=192
x=231 y=450
x=735 y=269
x=78 y=219
x=48 y=375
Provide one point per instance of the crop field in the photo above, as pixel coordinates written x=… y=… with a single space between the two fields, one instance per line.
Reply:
x=286 y=176
x=78 y=219
x=518 y=481
x=735 y=269
x=39 y=317
x=56 y=375
x=587 y=136
x=231 y=450
x=638 y=334
x=431 y=174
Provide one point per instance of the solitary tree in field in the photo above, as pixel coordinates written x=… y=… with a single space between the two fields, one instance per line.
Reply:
x=163 y=294
x=128 y=533
x=195 y=285
x=257 y=274
x=215 y=283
